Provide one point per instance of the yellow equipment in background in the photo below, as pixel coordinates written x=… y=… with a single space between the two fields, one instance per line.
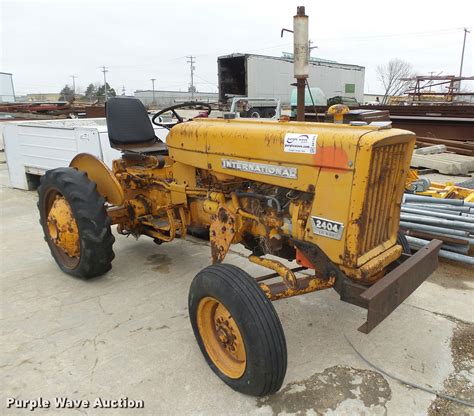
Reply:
x=422 y=186
x=324 y=195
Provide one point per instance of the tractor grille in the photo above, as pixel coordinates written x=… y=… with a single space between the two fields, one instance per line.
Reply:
x=384 y=185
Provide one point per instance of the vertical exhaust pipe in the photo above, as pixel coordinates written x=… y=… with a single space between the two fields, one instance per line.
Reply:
x=301 y=58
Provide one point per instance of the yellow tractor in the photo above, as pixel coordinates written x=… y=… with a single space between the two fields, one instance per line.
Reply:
x=326 y=196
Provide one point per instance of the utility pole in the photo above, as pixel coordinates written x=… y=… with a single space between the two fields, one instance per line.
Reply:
x=153 y=89
x=431 y=80
x=462 y=57
x=463 y=48
x=74 y=85
x=310 y=48
x=192 y=61
x=104 y=70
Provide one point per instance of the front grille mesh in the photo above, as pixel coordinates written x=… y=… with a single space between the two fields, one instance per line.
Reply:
x=385 y=182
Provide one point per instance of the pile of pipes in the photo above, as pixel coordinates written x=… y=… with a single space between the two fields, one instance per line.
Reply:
x=425 y=218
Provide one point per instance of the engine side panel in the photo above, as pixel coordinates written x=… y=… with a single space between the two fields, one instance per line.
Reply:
x=353 y=216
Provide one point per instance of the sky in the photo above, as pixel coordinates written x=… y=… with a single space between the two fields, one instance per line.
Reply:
x=44 y=42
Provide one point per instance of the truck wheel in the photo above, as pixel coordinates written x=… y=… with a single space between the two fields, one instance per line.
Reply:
x=75 y=223
x=269 y=112
x=254 y=113
x=238 y=330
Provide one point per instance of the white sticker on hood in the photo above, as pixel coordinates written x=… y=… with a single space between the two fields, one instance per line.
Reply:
x=300 y=143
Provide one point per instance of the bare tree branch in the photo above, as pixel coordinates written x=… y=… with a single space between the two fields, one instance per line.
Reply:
x=391 y=76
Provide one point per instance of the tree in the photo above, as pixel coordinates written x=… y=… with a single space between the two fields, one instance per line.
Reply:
x=91 y=92
x=110 y=91
x=393 y=77
x=66 y=94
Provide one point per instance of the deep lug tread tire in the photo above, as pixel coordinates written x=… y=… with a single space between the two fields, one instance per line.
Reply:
x=258 y=323
x=88 y=207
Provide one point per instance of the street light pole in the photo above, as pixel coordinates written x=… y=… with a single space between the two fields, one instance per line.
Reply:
x=104 y=70
x=153 y=89
x=74 y=85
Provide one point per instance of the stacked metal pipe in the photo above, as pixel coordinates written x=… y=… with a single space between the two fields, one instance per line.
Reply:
x=425 y=218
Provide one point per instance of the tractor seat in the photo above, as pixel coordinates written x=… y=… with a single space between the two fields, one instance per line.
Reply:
x=129 y=127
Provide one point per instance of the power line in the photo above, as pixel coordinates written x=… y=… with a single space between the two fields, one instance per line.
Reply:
x=392 y=35
x=325 y=39
x=191 y=61
x=346 y=38
x=205 y=80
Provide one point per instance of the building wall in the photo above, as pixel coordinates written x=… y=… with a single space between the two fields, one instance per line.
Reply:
x=43 y=97
x=372 y=98
x=168 y=98
x=7 y=93
x=267 y=77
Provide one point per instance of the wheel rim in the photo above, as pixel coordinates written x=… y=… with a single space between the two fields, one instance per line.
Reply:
x=62 y=229
x=254 y=114
x=221 y=337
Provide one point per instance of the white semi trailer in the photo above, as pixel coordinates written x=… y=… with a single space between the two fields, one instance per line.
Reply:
x=272 y=77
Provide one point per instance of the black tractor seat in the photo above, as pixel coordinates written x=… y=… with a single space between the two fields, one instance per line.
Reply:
x=157 y=147
x=129 y=127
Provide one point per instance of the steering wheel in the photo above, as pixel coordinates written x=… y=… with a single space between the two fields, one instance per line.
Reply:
x=173 y=110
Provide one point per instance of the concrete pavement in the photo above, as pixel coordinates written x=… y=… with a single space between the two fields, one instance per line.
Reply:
x=127 y=334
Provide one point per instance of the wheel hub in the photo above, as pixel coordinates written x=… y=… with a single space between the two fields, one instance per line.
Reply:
x=225 y=335
x=62 y=227
x=221 y=337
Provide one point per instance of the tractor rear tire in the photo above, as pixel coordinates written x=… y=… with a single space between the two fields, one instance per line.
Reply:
x=238 y=330
x=75 y=223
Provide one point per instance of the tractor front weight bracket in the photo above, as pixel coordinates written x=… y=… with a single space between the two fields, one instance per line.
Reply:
x=385 y=295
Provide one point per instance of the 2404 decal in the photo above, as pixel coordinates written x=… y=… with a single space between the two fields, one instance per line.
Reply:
x=327 y=228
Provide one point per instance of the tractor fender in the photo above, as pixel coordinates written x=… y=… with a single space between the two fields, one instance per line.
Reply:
x=107 y=184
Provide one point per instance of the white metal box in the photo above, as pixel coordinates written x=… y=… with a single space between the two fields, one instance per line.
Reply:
x=33 y=147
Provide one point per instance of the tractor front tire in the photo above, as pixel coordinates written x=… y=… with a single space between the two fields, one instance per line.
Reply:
x=75 y=223
x=238 y=330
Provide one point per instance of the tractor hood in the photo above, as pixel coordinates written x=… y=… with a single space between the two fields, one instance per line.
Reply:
x=283 y=153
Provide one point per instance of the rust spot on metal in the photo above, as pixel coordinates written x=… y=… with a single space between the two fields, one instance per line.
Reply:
x=62 y=227
x=222 y=234
x=289 y=278
x=280 y=290
x=331 y=157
